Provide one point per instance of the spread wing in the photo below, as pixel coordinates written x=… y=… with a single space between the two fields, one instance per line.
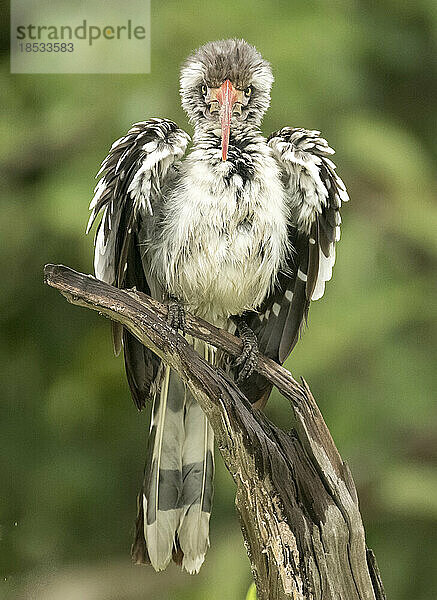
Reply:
x=315 y=194
x=132 y=177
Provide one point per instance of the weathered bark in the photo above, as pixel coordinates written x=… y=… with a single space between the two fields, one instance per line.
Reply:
x=295 y=496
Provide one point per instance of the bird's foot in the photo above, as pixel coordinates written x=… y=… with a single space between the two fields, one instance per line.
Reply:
x=176 y=315
x=247 y=359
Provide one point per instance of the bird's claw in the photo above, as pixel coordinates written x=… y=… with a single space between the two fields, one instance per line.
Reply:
x=250 y=352
x=176 y=315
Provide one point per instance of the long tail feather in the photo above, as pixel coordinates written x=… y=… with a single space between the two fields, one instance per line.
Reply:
x=163 y=484
x=198 y=474
x=198 y=468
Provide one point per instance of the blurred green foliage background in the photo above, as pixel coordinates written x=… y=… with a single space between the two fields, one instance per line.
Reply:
x=72 y=444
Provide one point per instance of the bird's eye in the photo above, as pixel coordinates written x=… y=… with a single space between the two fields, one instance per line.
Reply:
x=248 y=91
x=204 y=90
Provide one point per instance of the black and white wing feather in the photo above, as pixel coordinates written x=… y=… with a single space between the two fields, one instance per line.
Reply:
x=315 y=193
x=132 y=178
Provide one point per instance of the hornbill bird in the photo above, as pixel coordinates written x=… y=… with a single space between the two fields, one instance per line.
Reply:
x=240 y=231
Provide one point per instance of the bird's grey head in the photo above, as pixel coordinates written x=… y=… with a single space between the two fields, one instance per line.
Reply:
x=224 y=84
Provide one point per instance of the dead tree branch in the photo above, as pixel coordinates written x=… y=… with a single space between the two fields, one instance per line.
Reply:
x=295 y=496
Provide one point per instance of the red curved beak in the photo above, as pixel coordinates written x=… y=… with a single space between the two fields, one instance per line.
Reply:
x=227 y=95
